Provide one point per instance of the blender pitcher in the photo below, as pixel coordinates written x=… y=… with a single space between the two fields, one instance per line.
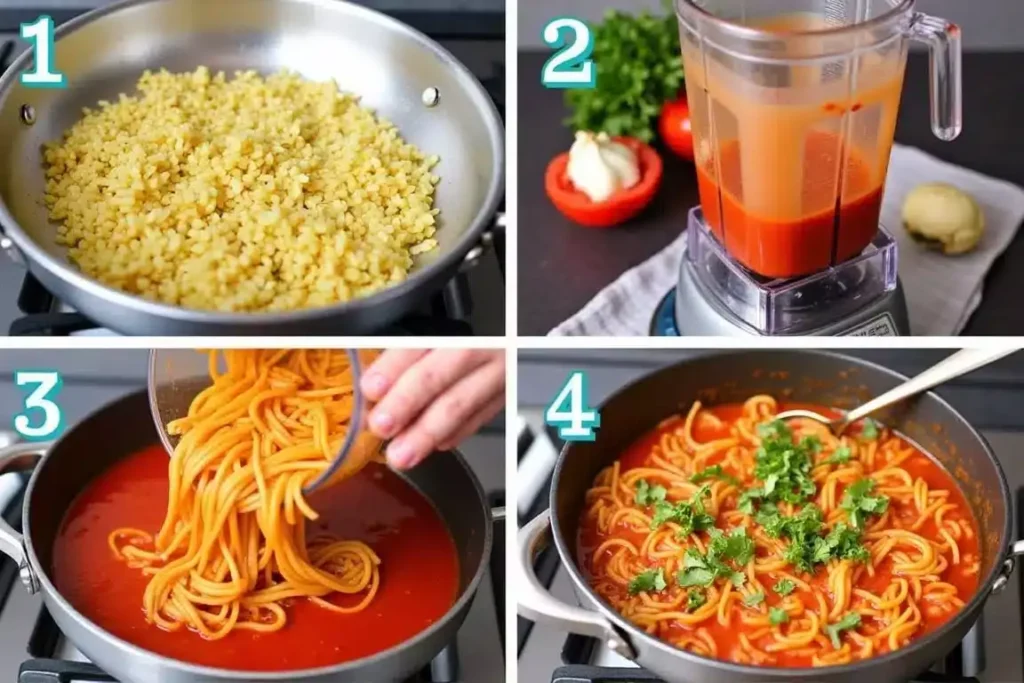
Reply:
x=793 y=106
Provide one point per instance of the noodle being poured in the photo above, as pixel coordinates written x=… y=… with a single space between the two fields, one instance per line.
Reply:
x=233 y=546
x=740 y=537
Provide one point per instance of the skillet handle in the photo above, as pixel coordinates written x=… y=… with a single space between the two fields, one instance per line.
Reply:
x=1016 y=551
x=19 y=457
x=537 y=604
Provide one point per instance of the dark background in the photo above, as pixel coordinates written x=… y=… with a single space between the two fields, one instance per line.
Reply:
x=991 y=398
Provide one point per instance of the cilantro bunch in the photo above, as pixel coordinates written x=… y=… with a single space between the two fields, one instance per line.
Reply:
x=639 y=67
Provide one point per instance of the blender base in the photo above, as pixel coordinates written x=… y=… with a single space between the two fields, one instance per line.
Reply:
x=685 y=312
x=717 y=296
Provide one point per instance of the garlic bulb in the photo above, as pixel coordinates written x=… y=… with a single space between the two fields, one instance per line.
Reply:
x=599 y=167
x=944 y=217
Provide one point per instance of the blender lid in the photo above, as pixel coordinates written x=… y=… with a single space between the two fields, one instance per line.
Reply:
x=794 y=306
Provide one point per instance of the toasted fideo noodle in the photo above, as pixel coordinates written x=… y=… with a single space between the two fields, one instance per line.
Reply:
x=240 y=194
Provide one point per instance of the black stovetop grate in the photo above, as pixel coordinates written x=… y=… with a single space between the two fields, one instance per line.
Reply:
x=44 y=666
x=447 y=312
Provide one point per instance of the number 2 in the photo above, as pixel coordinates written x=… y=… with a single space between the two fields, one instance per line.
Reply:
x=570 y=67
x=40 y=33
x=569 y=411
x=41 y=398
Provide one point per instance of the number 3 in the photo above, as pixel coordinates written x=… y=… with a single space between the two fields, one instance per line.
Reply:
x=41 y=398
x=40 y=32
x=570 y=67
x=575 y=421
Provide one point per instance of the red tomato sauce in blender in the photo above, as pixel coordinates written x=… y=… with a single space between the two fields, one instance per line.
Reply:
x=829 y=232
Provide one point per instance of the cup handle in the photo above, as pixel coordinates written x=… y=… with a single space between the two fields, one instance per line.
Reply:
x=19 y=457
x=537 y=604
x=944 y=67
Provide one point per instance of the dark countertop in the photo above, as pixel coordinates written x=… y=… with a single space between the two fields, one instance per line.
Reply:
x=562 y=265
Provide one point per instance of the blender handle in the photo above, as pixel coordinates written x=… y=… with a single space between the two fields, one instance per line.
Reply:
x=943 y=40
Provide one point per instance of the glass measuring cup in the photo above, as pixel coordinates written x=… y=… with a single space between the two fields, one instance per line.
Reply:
x=176 y=376
x=793 y=105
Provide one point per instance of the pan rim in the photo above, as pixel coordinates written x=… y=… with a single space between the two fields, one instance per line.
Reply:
x=418 y=277
x=632 y=633
x=51 y=593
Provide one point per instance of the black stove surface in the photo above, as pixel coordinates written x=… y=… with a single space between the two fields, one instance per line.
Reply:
x=961 y=665
x=475 y=38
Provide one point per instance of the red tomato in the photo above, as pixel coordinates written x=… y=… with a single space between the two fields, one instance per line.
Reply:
x=674 y=127
x=618 y=208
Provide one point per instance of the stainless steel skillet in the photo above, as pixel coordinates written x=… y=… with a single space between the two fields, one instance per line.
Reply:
x=389 y=64
x=63 y=469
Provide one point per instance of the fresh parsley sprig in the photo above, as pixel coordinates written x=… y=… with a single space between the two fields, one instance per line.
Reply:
x=639 y=67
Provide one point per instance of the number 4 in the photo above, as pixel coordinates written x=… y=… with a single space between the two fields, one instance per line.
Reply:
x=40 y=33
x=569 y=411
x=41 y=398
x=571 y=66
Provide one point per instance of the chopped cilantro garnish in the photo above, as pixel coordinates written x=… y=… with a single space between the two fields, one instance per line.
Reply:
x=650 y=580
x=714 y=472
x=784 y=466
x=736 y=546
x=804 y=530
x=851 y=620
x=695 y=599
x=840 y=456
x=843 y=542
x=776 y=430
x=784 y=587
x=696 y=571
x=702 y=570
x=754 y=599
x=747 y=498
x=690 y=515
x=859 y=503
x=777 y=615
x=869 y=430
x=647 y=494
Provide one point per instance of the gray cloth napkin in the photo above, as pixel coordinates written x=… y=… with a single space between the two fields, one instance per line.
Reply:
x=942 y=291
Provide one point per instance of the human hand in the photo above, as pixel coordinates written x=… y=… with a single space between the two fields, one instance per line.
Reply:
x=431 y=400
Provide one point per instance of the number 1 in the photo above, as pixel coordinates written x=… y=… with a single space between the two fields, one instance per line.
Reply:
x=43 y=75
x=41 y=398
x=569 y=411
x=571 y=66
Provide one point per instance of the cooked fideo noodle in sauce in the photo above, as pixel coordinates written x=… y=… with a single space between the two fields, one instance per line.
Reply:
x=201 y=555
x=739 y=537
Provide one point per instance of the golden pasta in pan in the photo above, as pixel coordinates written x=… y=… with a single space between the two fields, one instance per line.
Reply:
x=739 y=537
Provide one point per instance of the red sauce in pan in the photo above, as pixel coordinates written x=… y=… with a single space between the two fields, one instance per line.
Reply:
x=419 y=570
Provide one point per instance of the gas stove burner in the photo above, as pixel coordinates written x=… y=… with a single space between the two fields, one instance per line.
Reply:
x=663 y=322
x=446 y=315
x=599 y=674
